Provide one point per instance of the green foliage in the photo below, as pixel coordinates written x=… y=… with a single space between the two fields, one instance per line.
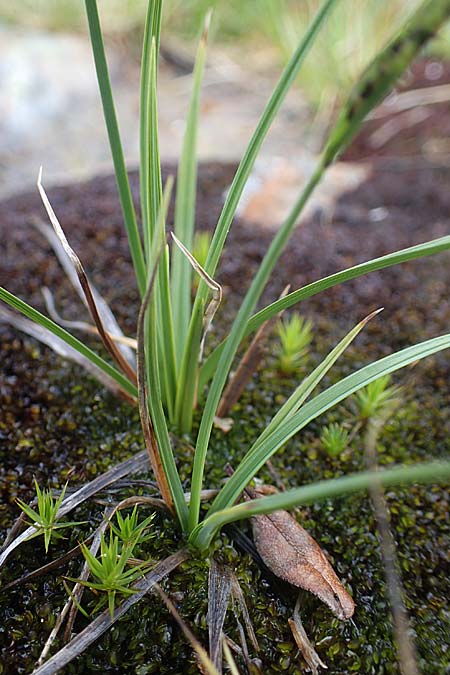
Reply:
x=45 y=518
x=334 y=439
x=172 y=331
x=295 y=335
x=130 y=531
x=378 y=399
x=110 y=569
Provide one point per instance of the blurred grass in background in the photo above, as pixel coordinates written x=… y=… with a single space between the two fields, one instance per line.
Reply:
x=355 y=31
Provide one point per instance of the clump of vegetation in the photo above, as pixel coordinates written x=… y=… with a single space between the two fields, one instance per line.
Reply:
x=130 y=531
x=168 y=376
x=335 y=439
x=110 y=569
x=377 y=400
x=295 y=335
x=44 y=520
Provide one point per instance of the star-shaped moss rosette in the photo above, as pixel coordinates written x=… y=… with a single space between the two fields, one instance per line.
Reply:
x=44 y=519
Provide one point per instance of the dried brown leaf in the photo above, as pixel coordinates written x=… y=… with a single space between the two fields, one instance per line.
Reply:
x=293 y=555
x=238 y=597
x=108 y=343
x=303 y=643
x=108 y=318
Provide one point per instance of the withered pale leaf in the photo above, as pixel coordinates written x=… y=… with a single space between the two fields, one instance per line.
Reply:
x=303 y=642
x=293 y=555
x=219 y=590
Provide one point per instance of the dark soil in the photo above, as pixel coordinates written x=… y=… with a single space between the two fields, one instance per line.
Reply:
x=56 y=422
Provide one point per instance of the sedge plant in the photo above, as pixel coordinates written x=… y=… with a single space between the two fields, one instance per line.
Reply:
x=173 y=376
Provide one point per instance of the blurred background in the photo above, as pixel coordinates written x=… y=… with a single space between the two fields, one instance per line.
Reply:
x=50 y=110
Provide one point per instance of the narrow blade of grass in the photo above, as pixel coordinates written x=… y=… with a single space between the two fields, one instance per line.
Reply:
x=384 y=70
x=112 y=126
x=149 y=316
x=273 y=105
x=156 y=208
x=299 y=396
x=151 y=182
x=414 y=252
x=147 y=111
x=164 y=315
x=108 y=343
x=261 y=452
x=181 y=274
x=426 y=472
x=188 y=378
x=147 y=427
x=184 y=408
x=232 y=344
x=159 y=419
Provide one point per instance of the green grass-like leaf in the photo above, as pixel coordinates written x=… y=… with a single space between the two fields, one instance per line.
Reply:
x=379 y=80
x=396 y=258
x=427 y=472
x=181 y=275
x=149 y=168
x=192 y=346
x=112 y=127
x=261 y=452
x=307 y=386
